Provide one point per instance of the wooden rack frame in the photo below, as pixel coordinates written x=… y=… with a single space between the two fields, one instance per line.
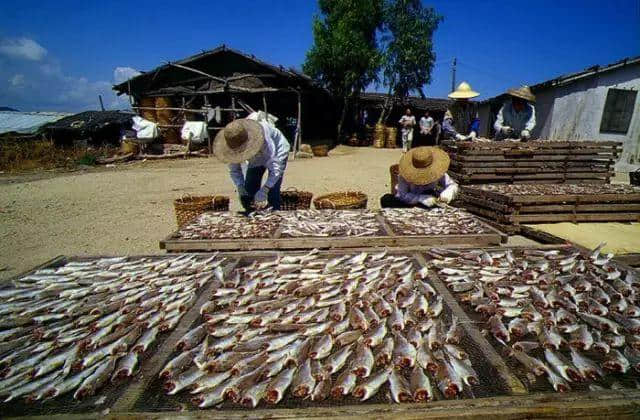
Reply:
x=517 y=403
x=173 y=243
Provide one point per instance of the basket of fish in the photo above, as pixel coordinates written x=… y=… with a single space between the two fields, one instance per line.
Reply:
x=296 y=330
x=293 y=199
x=341 y=200
x=189 y=207
x=76 y=333
x=566 y=320
x=330 y=223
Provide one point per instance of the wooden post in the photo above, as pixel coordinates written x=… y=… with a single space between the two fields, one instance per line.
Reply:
x=233 y=105
x=206 y=122
x=264 y=105
x=298 y=139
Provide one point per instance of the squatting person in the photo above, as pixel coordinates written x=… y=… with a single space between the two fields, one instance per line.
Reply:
x=422 y=173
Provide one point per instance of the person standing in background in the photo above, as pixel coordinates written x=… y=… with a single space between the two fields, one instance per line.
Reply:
x=461 y=120
x=426 y=126
x=407 y=122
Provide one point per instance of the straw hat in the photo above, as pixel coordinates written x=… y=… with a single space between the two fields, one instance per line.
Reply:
x=523 y=92
x=463 y=92
x=423 y=165
x=240 y=140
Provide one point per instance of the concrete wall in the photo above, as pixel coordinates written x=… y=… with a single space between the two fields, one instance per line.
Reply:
x=574 y=111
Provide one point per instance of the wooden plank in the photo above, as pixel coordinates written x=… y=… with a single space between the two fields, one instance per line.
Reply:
x=153 y=366
x=183 y=245
x=632 y=260
x=618 y=404
x=610 y=208
x=537 y=157
x=575 y=217
x=530 y=170
x=515 y=386
x=540 y=236
x=385 y=226
x=53 y=262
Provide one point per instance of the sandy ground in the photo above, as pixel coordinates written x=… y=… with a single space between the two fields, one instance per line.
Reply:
x=126 y=210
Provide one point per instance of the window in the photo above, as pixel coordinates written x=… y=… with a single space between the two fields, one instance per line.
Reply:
x=618 y=110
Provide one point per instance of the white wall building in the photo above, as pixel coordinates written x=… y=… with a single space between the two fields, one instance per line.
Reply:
x=599 y=103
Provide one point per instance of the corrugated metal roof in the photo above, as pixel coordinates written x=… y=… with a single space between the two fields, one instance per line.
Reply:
x=26 y=122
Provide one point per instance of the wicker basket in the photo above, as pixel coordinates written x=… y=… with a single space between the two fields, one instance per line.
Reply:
x=189 y=207
x=353 y=141
x=394 y=170
x=342 y=200
x=320 y=150
x=378 y=136
x=129 y=147
x=391 y=137
x=292 y=199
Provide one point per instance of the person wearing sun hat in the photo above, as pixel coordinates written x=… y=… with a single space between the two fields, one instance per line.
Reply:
x=517 y=117
x=422 y=179
x=264 y=148
x=461 y=120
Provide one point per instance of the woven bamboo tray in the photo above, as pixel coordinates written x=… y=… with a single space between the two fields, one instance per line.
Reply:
x=342 y=200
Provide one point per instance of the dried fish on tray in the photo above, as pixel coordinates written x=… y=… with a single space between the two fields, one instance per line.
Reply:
x=319 y=327
x=218 y=225
x=301 y=223
x=558 y=189
x=436 y=221
x=72 y=329
x=571 y=319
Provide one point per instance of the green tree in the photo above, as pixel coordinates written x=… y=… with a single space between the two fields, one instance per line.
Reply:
x=344 y=57
x=408 y=55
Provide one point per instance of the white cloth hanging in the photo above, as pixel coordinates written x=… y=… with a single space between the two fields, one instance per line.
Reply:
x=196 y=131
x=145 y=129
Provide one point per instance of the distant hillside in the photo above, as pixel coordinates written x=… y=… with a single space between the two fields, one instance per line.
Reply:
x=6 y=108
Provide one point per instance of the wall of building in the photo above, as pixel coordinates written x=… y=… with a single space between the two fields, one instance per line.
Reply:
x=574 y=111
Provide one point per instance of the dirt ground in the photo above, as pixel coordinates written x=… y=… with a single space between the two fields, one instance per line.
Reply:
x=126 y=210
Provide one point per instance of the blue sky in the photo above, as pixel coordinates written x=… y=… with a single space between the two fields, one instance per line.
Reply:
x=60 y=55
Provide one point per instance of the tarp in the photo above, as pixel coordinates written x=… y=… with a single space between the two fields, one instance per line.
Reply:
x=26 y=122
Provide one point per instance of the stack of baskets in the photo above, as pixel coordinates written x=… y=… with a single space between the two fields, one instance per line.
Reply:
x=292 y=199
x=320 y=150
x=379 y=136
x=391 y=137
x=190 y=207
x=342 y=200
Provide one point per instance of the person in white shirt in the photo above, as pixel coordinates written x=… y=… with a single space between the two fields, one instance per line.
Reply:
x=407 y=122
x=422 y=180
x=517 y=117
x=264 y=148
x=426 y=126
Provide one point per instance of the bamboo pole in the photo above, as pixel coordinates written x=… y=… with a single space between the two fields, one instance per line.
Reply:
x=298 y=137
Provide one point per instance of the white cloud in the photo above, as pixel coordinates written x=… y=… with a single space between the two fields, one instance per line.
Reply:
x=17 y=80
x=44 y=85
x=122 y=74
x=22 y=48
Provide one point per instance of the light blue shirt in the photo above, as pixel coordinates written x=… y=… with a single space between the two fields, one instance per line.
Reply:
x=273 y=156
x=413 y=193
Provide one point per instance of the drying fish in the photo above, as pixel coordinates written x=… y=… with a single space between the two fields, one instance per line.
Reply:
x=370 y=386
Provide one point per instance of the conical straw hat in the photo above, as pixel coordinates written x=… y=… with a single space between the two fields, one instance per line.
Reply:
x=423 y=165
x=240 y=140
x=464 y=91
x=523 y=92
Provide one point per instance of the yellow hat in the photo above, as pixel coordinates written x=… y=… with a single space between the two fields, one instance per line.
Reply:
x=523 y=92
x=424 y=165
x=463 y=92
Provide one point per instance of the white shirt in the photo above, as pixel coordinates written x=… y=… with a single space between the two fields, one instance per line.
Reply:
x=426 y=124
x=273 y=156
x=413 y=193
x=508 y=116
x=407 y=119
